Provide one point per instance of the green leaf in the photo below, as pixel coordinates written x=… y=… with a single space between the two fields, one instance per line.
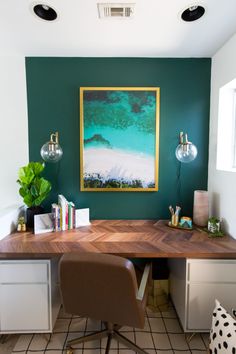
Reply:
x=34 y=189
x=26 y=175
x=28 y=200
x=37 y=167
x=45 y=186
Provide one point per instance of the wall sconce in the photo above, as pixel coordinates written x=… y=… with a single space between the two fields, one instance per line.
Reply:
x=185 y=151
x=51 y=151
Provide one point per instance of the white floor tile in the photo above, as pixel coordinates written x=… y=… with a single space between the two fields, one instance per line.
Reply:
x=61 y=325
x=78 y=324
x=157 y=325
x=172 y=325
x=23 y=342
x=144 y=340
x=178 y=341
x=93 y=325
x=197 y=342
x=57 y=341
x=161 y=341
x=38 y=342
x=129 y=336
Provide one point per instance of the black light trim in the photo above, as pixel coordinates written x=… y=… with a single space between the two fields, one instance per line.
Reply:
x=45 y=12
x=193 y=13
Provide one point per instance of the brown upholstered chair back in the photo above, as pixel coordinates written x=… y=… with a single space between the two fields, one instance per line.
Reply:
x=102 y=287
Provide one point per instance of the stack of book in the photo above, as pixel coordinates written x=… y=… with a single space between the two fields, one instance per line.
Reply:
x=64 y=214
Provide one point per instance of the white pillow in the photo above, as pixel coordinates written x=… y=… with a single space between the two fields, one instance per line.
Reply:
x=223 y=332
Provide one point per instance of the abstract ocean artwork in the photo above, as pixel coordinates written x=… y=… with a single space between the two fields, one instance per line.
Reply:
x=119 y=138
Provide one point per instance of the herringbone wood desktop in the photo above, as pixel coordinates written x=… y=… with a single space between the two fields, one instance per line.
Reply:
x=130 y=238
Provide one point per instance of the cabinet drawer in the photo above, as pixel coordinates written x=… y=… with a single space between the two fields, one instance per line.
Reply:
x=211 y=271
x=201 y=302
x=24 y=272
x=24 y=307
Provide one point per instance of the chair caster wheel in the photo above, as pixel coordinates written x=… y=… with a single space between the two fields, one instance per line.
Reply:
x=69 y=351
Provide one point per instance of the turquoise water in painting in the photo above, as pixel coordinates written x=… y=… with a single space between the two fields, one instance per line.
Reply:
x=130 y=139
x=123 y=120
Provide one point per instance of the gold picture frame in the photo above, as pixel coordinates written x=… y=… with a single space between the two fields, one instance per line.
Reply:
x=119 y=139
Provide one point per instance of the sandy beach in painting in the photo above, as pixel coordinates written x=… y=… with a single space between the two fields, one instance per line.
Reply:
x=119 y=164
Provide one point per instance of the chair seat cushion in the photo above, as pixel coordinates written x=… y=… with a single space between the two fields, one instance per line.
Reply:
x=223 y=332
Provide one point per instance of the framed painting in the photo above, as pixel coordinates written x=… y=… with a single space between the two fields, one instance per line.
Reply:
x=119 y=141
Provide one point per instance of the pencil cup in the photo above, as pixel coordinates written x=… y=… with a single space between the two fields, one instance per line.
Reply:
x=175 y=220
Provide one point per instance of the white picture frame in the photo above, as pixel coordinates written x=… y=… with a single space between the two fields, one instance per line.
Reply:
x=43 y=223
x=82 y=217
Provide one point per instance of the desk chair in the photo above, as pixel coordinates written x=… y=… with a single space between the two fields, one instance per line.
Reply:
x=103 y=287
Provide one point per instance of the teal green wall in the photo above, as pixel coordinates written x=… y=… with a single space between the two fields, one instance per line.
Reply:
x=53 y=105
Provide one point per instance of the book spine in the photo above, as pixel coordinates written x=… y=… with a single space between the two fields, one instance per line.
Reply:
x=73 y=217
x=66 y=216
x=62 y=202
x=59 y=219
x=69 y=216
x=54 y=212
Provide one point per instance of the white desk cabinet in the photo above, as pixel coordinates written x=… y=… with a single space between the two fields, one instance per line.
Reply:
x=29 y=296
x=194 y=286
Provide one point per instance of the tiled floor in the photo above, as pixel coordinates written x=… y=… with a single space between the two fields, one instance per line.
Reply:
x=162 y=334
x=8 y=346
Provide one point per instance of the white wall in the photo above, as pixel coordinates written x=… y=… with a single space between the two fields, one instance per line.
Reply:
x=13 y=136
x=221 y=184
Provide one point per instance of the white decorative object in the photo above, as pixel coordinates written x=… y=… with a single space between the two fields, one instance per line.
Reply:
x=200 y=208
x=223 y=333
x=82 y=217
x=43 y=223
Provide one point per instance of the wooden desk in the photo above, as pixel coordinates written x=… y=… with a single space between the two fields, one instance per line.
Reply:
x=129 y=238
x=194 y=300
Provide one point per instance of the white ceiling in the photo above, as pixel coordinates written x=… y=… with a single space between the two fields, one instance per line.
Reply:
x=155 y=31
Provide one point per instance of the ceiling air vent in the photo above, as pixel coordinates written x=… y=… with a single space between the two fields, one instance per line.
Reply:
x=115 y=10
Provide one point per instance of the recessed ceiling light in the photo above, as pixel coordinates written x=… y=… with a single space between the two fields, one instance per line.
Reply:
x=45 y=12
x=193 y=13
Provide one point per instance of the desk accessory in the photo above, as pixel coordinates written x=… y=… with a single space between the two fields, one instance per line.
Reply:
x=174 y=215
x=43 y=223
x=179 y=227
x=21 y=226
x=82 y=217
x=186 y=222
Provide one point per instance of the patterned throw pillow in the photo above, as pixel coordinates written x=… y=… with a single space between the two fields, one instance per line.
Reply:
x=223 y=332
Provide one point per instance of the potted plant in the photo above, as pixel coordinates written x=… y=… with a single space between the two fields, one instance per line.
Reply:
x=33 y=189
x=213 y=224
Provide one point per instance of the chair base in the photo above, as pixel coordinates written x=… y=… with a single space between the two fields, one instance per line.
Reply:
x=110 y=332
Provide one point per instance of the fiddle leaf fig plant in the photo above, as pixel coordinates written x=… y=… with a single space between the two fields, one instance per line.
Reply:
x=33 y=187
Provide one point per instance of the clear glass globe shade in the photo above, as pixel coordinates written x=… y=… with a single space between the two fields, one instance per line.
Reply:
x=51 y=152
x=186 y=152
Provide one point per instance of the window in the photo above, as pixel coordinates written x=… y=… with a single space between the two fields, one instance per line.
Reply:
x=226 y=140
x=234 y=130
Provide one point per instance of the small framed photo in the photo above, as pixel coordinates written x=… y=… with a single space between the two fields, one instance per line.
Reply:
x=43 y=223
